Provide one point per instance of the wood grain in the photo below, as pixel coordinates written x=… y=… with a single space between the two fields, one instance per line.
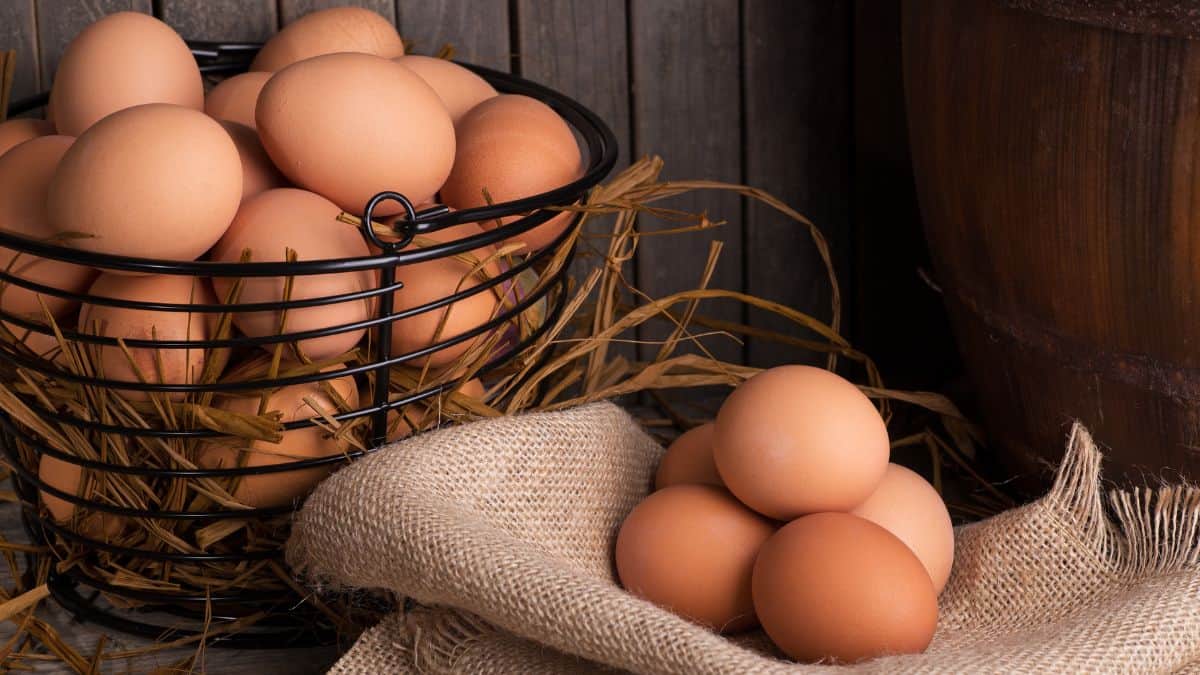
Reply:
x=1057 y=172
x=579 y=47
x=290 y=10
x=18 y=32
x=235 y=20
x=797 y=101
x=478 y=29
x=58 y=21
x=687 y=108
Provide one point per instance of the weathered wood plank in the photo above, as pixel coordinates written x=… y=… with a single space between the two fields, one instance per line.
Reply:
x=686 y=107
x=478 y=29
x=290 y=10
x=235 y=20
x=58 y=21
x=18 y=32
x=580 y=48
x=797 y=147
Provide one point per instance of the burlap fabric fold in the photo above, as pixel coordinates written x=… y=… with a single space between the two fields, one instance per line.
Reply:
x=503 y=529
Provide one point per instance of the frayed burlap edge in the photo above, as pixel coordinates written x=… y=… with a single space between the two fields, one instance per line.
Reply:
x=1141 y=533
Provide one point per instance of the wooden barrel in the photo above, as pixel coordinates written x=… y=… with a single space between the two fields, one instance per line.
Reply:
x=1056 y=146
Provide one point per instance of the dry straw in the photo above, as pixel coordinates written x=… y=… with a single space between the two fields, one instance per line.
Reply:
x=572 y=363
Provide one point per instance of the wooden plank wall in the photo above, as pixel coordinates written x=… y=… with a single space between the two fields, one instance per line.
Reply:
x=754 y=91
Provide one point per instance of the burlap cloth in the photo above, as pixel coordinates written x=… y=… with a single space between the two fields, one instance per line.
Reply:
x=502 y=530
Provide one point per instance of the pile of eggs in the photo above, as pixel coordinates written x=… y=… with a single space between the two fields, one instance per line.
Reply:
x=136 y=159
x=786 y=513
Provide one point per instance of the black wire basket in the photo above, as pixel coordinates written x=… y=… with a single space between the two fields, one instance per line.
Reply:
x=283 y=616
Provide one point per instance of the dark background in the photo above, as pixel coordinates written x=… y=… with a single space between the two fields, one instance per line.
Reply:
x=800 y=97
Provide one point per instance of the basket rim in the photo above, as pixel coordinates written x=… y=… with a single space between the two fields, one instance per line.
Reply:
x=600 y=144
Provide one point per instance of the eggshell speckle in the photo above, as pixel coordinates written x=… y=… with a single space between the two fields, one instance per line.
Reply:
x=338 y=29
x=796 y=439
x=512 y=147
x=691 y=549
x=836 y=586
x=270 y=223
x=154 y=181
x=235 y=98
x=906 y=505
x=25 y=175
x=278 y=489
x=258 y=173
x=163 y=365
x=15 y=132
x=123 y=60
x=459 y=88
x=689 y=460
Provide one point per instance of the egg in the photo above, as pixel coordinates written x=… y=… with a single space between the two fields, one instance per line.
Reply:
x=123 y=60
x=348 y=126
x=234 y=98
x=328 y=31
x=459 y=88
x=416 y=414
x=796 y=439
x=42 y=345
x=429 y=282
x=512 y=147
x=906 y=505
x=279 y=489
x=836 y=586
x=155 y=181
x=691 y=549
x=689 y=460
x=485 y=254
x=160 y=365
x=270 y=223
x=68 y=477
x=15 y=132
x=258 y=173
x=25 y=175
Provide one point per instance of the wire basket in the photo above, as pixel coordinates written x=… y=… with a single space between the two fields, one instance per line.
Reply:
x=281 y=616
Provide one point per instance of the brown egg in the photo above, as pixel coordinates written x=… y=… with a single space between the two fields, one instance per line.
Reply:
x=459 y=88
x=906 y=505
x=835 y=586
x=485 y=254
x=417 y=414
x=155 y=181
x=235 y=98
x=258 y=173
x=123 y=60
x=796 y=439
x=431 y=281
x=689 y=460
x=43 y=345
x=68 y=477
x=279 y=489
x=162 y=365
x=513 y=147
x=691 y=549
x=348 y=126
x=16 y=132
x=25 y=175
x=270 y=223
x=340 y=29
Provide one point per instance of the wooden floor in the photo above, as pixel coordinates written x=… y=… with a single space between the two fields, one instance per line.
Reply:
x=83 y=637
